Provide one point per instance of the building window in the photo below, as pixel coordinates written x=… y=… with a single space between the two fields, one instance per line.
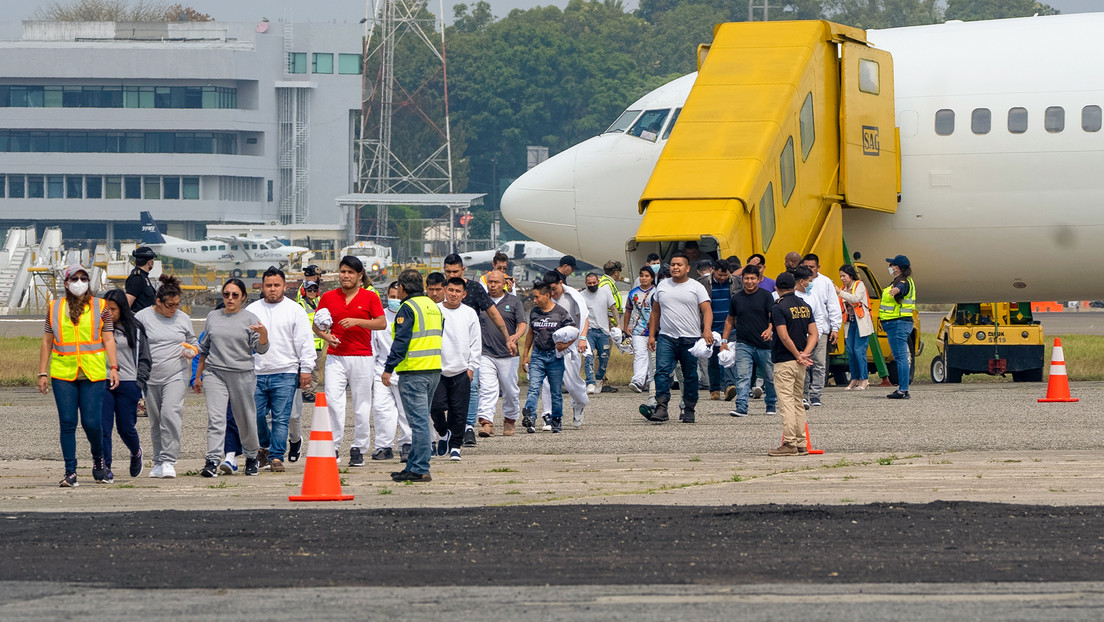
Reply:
x=322 y=63
x=191 y=188
x=132 y=187
x=18 y=141
x=1017 y=120
x=297 y=62
x=944 y=122
x=3 y=186
x=16 y=189
x=151 y=187
x=981 y=121
x=94 y=187
x=808 y=129
x=348 y=63
x=1090 y=118
x=172 y=187
x=766 y=215
x=74 y=187
x=1054 y=119
x=113 y=188
x=270 y=191
x=789 y=174
x=36 y=186
x=55 y=187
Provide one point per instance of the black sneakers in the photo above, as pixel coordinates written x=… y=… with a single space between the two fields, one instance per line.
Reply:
x=99 y=471
x=659 y=415
x=687 y=416
x=557 y=424
x=469 y=437
x=356 y=458
x=136 y=464
x=383 y=453
x=527 y=421
x=69 y=481
x=251 y=466
x=898 y=395
x=210 y=469
x=295 y=449
x=407 y=476
x=404 y=452
x=443 y=443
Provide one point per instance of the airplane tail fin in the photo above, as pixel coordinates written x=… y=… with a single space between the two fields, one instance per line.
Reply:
x=150 y=233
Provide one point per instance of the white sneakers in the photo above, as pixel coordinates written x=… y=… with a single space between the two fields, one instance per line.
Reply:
x=591 y=389
x=454 y=455
x=163 y=471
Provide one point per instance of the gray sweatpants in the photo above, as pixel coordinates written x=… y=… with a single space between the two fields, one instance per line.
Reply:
x=237 y=388
x=814 y=376
x=165 y=406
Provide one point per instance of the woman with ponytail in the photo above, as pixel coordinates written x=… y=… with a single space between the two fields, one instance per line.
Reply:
x=172 y=346
x=77 y=360
x=120 y=405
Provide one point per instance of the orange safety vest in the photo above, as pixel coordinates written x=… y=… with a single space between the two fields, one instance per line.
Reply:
x=80 y=346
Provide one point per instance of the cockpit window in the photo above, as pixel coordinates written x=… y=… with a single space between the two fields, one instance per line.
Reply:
x=623 y=122
x=273 y=244
x=674 y=117
x=649 y=124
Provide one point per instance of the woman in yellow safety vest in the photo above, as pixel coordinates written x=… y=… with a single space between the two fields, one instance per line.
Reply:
x=895 y=315
x=78 y=360
x=856 y=305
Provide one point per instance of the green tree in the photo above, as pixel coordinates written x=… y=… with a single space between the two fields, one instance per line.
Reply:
x=479 y=18
x=883 y=13
x=117 y=11
x=971 y=10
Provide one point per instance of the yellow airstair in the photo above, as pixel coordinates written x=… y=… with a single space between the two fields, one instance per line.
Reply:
x=787 y=124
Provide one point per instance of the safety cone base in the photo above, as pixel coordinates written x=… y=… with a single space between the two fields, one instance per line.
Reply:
x=321 y=497
x=1059 y=399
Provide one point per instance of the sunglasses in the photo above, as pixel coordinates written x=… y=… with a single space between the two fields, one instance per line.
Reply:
x=231 y=295
x=78 y=278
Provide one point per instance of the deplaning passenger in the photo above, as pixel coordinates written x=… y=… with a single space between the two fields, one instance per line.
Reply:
x=120 y=404
x=857 y=324
x=821 y=294
x=498 y=366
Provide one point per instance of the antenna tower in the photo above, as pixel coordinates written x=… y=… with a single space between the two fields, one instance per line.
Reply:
x=380 y=169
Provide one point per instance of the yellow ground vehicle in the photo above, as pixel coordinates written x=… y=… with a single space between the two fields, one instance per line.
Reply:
x=994 y=338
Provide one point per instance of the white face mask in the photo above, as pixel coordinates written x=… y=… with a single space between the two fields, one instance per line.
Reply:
x=892 y=272
x=78 y=288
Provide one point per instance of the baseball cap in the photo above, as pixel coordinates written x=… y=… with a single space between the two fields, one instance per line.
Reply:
x=568 y=260
x=313 y=270
x=785 y=281
x=900 y=261
x=143 y=254
x=73 y=269
x=310 y=284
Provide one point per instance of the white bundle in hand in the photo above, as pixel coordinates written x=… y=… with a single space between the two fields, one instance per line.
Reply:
x=727 y=356
x=703 y=350
x=616 y=334
x=567 y=334
x=322 y=319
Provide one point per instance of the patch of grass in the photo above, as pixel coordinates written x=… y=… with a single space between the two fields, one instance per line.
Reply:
x=502 y=470
x=408 y=483
x=343 y=482
x=912 y=456
x=843 y=462
x=846 y=500
x=736 y=477
x=848 y=478
x=1005 y=460
x=384 y=491
x=513 y=492
x=19 y=361
x=225 y=484
x=695 y=458
x=125 y=486
x=191 y=473
x=888 y=460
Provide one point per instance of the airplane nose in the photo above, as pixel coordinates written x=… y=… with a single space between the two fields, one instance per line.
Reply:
x=541 y=203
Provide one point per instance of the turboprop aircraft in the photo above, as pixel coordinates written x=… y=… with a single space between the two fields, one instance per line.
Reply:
x=234 y=254
x=973 y=148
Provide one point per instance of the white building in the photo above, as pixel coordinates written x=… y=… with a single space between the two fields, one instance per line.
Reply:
x=196 y=123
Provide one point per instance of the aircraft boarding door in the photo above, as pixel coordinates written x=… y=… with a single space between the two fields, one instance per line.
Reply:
x=868 y=140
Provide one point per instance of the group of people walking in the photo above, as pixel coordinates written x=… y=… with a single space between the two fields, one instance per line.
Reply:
x=427 y=361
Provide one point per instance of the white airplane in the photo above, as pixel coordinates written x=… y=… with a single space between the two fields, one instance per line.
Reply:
x=1004 y=203
x=534 y=256
x=234 y=254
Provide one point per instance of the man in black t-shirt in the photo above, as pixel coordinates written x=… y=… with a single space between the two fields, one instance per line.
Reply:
x=476 y=297
x=749 y=312
x=540 y=360
x=795 y=336
x=140 y=291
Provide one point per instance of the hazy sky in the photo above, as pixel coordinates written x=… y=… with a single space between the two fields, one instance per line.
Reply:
x=353 y=10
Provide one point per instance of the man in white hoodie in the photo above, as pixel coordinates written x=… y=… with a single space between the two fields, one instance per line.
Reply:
x=285 y=367
x=461 y=350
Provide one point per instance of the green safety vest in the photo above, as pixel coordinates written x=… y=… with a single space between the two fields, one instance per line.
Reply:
x=607 y=281
x=80 y=346
x=319 y=343
x=890 y=310
x=424 y=351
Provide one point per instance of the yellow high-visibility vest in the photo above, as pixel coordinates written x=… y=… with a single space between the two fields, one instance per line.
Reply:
x=319 y=343
x=888 y=309
x=80 y=346
x=424 y=351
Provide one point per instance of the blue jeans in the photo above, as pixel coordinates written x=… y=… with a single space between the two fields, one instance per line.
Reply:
x=856 y=353
x=232 y=443
x=120 y=407
x=544 y=364
x=416 y=390
x=748 y=359
x=275 y=394
x=670 y=351
x=87 y=397
x=600 y=343
x=473 y=400
x=897 y=332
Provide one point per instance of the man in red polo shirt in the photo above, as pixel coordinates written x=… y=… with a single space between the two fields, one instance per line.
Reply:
x=350 y=362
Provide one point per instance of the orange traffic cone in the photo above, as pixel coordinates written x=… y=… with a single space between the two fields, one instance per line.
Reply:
x=320 y=479
x=808 y=441
x=1058 y=385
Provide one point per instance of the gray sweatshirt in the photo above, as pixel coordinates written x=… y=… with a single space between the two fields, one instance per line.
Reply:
x=166 y=336
x=229 y=343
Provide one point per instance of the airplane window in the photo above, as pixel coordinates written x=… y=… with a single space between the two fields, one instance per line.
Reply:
x=1090 y=118
x=868 y=77
x=674 y=117
x=944 y=122
x=789 y=175
x=1054 y=119
x=623 y=122
x=766 y=215
x=1017 y=120
x=203 y=248
x=649 y=124
x=234 y=247
x=222 y=247
x=273 y=244
x=981 y=121
x=808 y=129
